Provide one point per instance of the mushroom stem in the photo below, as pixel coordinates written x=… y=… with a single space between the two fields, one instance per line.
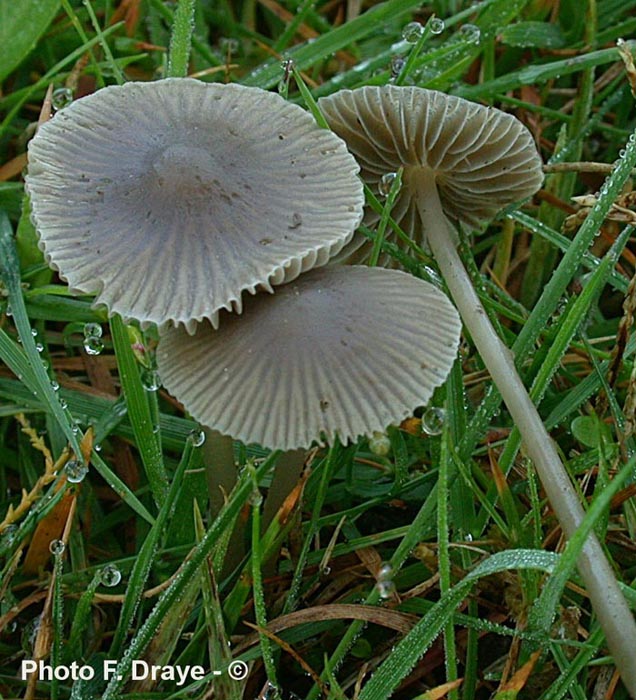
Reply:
x=218 y=453
x=221 y=476
x=288 y=469
x=609 y=604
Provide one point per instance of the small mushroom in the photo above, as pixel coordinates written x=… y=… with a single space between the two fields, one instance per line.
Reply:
x=476 y=160
x=341 y=351
x=465 y=162
x=169 y=199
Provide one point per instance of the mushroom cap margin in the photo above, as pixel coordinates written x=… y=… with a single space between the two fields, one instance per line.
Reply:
x=342 y=350
x=130 y=202
x=481 y=158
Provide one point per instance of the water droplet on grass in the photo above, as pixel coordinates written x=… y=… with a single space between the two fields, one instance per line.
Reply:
x=62 y=97
x=397 y=63
x=75 y=471
x=412 y=32
x=470 y=33
x=436 y=25
x=110 y=575
x=8 y=535
x=433 y=420
x=386 y=589
x=385 y=572
x=196 y=437
x=150 y=380
x=92 y=329
x=385 y=184
x=256 y=498
x=93 y=345
x=57 y=547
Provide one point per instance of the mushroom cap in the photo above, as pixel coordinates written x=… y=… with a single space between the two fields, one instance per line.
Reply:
x=340 y=351
x=168 y=199
x=481 y=159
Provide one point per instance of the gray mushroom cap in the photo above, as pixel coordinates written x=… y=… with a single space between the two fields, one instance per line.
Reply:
x=340 y=351
x=480 y=158
x=169 y=199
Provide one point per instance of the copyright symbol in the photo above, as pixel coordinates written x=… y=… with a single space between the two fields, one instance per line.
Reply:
x=238 y=670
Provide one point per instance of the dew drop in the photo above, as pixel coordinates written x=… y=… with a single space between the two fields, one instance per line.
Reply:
x=397 y=63
x=110 y=575
x=433 y=420
x=62 y=97
x=93 y=345
x=55 y=386
x=385 y=572
x=622 y=153
x=380 y=444
x=385 y=184
x=34 y=332
x=8 y=310
x=97 y=448
x=64 y=404
x=412 y=32
x=196 y=437
x=150 y=380
x=256 y=498
x=57 y=547
x=436 y=25
x=92 y=329
x=386 y=589
x=75 y=471
x=39 y=347
x=470 y=33
x=8 y=535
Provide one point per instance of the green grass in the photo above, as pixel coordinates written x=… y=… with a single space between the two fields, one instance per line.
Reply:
x=481 y=578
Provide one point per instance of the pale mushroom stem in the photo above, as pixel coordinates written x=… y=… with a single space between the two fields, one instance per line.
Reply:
x=288 y=469
x=609 y=604
x=221 y=475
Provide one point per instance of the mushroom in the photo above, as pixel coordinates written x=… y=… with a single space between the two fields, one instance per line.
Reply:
x=169 y=199
x=341 y=351
x=465 y=162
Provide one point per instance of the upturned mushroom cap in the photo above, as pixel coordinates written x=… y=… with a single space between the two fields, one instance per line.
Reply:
x=340 y=351
x=169 y=199
x=480 y=158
